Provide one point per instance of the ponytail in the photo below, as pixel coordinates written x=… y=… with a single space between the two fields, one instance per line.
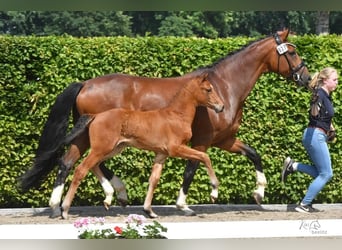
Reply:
x=318 y=77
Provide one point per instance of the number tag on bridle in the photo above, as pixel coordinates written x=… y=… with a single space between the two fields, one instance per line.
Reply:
x=282 y=48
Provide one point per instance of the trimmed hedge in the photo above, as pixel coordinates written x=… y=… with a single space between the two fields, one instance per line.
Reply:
x=34 y=70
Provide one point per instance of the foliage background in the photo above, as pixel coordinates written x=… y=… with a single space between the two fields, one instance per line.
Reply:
x=34 y=70
x=209 y=24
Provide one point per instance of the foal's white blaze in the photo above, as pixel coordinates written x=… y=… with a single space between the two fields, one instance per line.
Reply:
x=119 y=188
x=56 y=196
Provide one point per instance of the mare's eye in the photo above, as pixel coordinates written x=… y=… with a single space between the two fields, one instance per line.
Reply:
x=209 y=90
x=292 y=53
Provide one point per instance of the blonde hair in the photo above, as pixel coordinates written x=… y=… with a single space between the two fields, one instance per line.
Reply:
x=318 y=77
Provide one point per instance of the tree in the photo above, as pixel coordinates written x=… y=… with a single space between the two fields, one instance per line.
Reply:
x=322 y=22
x=335 y=22
x=209 y=24
x=75 y=23
x=175 y=26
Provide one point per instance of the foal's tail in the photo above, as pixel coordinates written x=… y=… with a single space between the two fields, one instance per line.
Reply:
x=52 y=139
x=79 y=128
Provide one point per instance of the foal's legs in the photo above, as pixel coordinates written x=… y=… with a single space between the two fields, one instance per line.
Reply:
x=193 y=154
x=80 y=172
x=232 y=145
x=76 y=150
x=157 y=168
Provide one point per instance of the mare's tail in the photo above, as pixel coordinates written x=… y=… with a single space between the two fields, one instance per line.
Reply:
x=52 y=138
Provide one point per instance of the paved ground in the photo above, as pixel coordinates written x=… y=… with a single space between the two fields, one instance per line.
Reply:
x=211 y=221
x=204 y=213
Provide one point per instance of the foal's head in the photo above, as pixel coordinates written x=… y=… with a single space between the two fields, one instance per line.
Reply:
x=205 y=93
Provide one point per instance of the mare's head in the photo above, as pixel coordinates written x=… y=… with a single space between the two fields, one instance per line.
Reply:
x=285 y=60
x=205 y=93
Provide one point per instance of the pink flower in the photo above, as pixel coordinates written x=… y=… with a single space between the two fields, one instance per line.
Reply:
x=135 y=218
x=81 y=222
x=84 y=222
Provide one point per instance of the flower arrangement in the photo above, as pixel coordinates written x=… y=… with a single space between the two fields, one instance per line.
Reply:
x=94 y=228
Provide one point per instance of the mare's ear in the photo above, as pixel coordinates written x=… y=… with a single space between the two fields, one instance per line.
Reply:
x=283 y=34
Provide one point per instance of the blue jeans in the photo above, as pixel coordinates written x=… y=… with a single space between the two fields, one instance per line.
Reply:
x=315 y=143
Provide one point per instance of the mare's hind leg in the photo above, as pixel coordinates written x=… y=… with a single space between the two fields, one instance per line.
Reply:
x=117 y=184
x=75 y=151
x=236 y=146
x=108 y=186
x=157 y=168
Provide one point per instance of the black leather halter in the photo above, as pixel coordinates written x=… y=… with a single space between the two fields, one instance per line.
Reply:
x=283 y=51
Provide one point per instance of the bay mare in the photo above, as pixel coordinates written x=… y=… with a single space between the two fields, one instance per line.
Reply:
x=165 y=131
x=233 y=77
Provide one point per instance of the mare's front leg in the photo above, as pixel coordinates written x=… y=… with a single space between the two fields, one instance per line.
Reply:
x=188 y=177
x=157 y=168
x=186 y=152
x=234 y=145
x=74 y=153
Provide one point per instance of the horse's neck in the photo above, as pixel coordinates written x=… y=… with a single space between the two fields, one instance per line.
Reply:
x=183 y=104
x=242 y=70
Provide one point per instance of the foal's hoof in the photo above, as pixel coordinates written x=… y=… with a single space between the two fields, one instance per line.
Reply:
x=150 y=214
x=106 y=205
x=64 y=214
x=258 y=198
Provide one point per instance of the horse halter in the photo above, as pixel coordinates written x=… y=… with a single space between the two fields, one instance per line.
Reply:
x=283 y=51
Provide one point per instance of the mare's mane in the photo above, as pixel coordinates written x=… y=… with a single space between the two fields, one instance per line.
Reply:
x=230 y=54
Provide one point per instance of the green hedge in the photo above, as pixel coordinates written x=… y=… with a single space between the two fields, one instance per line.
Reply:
x=34 y=70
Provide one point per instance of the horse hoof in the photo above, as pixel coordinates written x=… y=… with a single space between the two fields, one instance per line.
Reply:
x=150 y=214
x=106 y=205
x=186 y=210
x=56 y=212
x=257 y=197
x=122 y=202
x=189 y=212
x=64 y=214
x=213 y=198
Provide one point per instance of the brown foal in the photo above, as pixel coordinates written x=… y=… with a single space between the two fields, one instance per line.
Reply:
x=165 y=131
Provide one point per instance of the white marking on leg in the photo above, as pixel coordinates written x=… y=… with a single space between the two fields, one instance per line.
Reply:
x=181 y=200
x=261 y=184
x=56 y=196
x=214 y=194
x=108 y=190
